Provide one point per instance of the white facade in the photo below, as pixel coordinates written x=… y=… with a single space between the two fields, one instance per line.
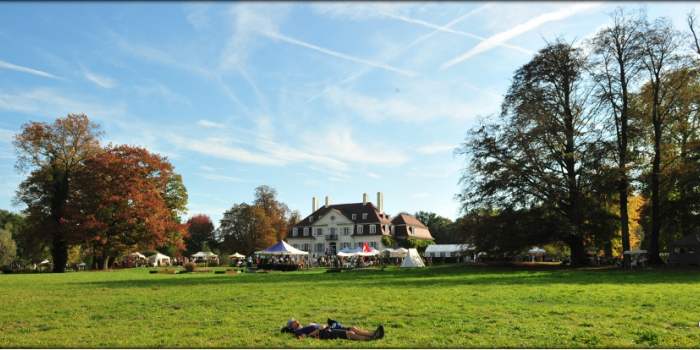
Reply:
x=331 y=233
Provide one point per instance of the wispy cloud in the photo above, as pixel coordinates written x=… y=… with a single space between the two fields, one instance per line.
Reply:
x=39 y=101
x=340 y=55
x=210 y=124
x=447 y=29
x=502 y=37
x=400 y=51
x=416 y=102
x=197 y=16
x=338 y=142
x=23 y=69
x=219 y=177
x=99 y=80
x=373 y=175
x=435 y=148
x=6 y=135
x=222 y=149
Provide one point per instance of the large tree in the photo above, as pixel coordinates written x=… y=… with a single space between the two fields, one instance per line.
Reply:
x=617 y=57
x=246 y=228
x=120 y=203
x=660 y=57
x=201 y=234
x=53 y=153
x=276 y=211
x=693 y=26
x=545 y=151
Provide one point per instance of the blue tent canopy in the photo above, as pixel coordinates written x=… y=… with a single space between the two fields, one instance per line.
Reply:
x=282 y=248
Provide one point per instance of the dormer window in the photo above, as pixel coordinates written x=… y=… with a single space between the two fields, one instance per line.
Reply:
x=295 y=232
x=372 y=229
x=364 y=216
x=354 y=217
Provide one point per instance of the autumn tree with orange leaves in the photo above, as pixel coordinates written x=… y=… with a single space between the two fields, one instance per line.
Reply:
x=119 y=204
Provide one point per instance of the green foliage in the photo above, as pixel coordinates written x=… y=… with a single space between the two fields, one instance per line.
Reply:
x=8 y=248
x=419 y=244
x=506 y=308
x=388 y=241
x=441 y=228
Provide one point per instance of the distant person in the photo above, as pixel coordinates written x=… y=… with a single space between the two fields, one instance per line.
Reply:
x=333 y=330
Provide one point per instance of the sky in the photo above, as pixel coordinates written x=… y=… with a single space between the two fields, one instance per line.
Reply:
x=313 y=99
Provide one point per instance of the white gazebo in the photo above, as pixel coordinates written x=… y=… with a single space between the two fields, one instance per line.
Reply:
x=236 y=256
x=535 y=252
x=205 y=256
x=159 y=259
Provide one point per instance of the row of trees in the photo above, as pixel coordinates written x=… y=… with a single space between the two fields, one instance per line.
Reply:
x=93 y=200
x=581 y=131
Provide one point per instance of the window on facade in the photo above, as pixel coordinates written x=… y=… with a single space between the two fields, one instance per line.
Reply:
x=359 y=229
x=306 y=247
x=372 y=228
x=306 y=231
x=319 y=247
x=373 y=245
x=346 y=231
x=332 y=230
x=295 y=232
x=354 y=217
x=319 y=231
x=364 y=216
x=345 y=245
x=442 y=254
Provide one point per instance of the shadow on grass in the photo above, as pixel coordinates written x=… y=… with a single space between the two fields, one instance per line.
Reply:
x=436 y=276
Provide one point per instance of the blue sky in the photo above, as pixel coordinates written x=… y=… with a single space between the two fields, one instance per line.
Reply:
x=312 y=99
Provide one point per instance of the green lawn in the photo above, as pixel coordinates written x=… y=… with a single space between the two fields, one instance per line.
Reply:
x=434 y=307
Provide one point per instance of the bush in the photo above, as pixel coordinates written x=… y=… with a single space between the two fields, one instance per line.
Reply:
x=189 y=267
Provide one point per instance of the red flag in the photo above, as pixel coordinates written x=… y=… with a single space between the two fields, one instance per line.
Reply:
x=365 y=248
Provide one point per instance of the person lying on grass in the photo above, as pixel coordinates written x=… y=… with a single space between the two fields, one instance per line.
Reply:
x=333 y=330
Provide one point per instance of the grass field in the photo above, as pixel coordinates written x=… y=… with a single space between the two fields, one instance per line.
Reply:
x=445 y=306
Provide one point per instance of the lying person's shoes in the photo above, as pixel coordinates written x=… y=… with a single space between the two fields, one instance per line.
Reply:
x=379 y=333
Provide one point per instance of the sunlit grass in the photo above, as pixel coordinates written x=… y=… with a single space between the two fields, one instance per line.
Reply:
x=435 y=307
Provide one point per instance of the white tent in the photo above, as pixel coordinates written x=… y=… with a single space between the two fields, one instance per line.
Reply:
x=348 y=252
x=159 y=259
x=399 y=253
x=412 y=259
x=236 y=256
x=536 y=251
x=137 y=255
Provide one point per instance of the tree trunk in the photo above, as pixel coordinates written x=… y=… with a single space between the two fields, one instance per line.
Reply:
x=59 y=252
x=654 y=258
x=59 y=244
x=623 y=184
x=578 y=251
x=623 y=189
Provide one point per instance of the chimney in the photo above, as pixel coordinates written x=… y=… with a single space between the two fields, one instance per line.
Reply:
x=380 y=202
x=313 y=204
x=364 y=198
x=328 y=202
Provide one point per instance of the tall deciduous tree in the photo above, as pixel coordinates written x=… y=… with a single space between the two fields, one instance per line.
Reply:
x=53 y=153
x=617 y=56
x=120 y=203
x=660 y=57
x=693 y=26
x=201 y=234
x=246 y=228
x=276 y=211
x=547 y=150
